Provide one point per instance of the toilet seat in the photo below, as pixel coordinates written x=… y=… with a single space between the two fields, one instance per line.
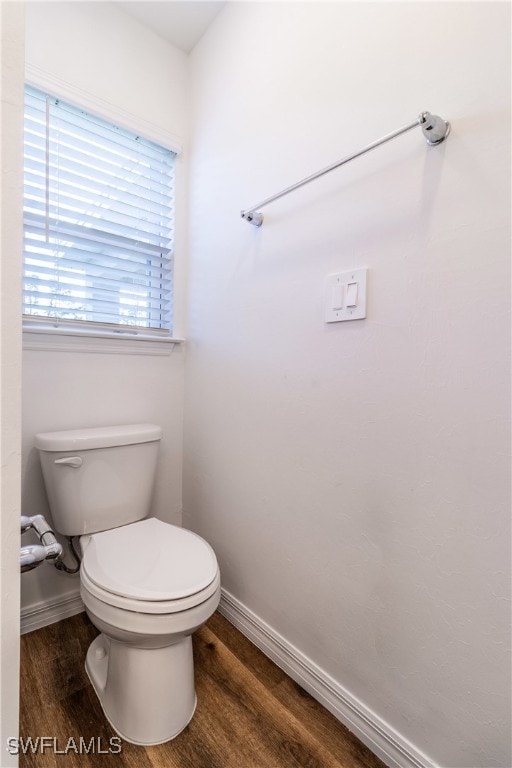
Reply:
x=149 y=567
x=154 y=607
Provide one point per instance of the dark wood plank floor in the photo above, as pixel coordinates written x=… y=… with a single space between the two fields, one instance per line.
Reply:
x=249 y=713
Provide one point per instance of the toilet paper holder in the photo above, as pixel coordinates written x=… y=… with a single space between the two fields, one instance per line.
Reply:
x=34 y=554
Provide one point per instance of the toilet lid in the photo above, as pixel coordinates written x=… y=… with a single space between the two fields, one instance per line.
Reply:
x=150 y=560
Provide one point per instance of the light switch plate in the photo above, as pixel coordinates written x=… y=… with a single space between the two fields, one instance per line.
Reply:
x=334 y=284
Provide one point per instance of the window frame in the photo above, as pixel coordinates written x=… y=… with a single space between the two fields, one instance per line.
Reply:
x=41 y=333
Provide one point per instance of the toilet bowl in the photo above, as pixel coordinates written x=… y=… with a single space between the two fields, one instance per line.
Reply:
x=145 y=584
x=147 y=587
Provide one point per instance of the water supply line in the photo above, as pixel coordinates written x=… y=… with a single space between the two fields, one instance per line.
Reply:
x=61 y=565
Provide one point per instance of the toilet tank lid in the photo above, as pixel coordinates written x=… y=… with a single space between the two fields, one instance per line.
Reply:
x=97 y=437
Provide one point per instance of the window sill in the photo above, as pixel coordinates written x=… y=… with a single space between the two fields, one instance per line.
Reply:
x=64 y=340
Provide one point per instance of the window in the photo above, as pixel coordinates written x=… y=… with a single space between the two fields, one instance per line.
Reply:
x=98 y=223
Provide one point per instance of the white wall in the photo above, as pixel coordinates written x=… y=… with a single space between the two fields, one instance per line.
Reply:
x=354 y=478
x=11 y=184
x=100 y=57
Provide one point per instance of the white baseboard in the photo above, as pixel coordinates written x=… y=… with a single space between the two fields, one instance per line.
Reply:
x=44 y=613
x=391 y=747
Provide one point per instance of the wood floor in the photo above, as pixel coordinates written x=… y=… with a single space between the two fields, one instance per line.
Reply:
x=249 y=713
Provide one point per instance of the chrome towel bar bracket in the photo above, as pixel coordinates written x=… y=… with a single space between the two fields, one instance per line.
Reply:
x=434 y=128
x=34 y=554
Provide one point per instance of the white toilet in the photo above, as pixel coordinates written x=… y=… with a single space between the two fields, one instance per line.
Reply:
x=147 y=585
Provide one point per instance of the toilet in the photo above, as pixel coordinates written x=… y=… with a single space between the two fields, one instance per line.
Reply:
x=146 y=585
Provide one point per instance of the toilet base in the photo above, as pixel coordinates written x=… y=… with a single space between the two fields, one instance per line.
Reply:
x=147 y=695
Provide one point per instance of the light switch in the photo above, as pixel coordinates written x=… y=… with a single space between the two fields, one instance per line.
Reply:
x=345 y=296
x=337 y=297
x=352 y=295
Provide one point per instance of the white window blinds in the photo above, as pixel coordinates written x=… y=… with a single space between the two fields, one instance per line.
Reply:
x=98 y=221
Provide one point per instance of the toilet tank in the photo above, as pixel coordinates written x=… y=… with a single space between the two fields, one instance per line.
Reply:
x=98 y=479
